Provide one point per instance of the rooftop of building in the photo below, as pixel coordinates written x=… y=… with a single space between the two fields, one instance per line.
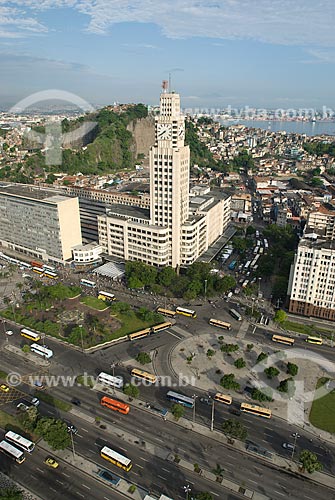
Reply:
x=32 y=192
x=316 y=241
x=87 y=247
x=127 y=211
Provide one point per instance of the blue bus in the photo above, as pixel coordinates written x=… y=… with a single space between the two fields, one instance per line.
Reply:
x=232 y=265
x=180 y=398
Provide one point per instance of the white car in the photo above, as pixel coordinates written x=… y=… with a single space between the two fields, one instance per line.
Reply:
x=9 y=332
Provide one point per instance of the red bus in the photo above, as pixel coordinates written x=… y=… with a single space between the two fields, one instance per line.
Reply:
x=115 y=405
x=33 y=263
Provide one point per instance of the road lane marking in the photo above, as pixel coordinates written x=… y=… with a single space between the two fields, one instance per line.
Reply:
x=166 y=470
x=40 y=470
x=66 y=475
x=174 y=335
x=162 y=477
x=140 y=466
x=212 y=493
x=80 y=494
x=280 y=493
x=58 y=481
x=52 y=489
x=85 y=486
x=85 y=430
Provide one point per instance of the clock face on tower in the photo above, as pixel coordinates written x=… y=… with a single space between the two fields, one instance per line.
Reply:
x=181 y=132
x=164 y=131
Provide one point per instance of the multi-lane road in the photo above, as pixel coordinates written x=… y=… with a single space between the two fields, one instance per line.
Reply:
x=194 y=447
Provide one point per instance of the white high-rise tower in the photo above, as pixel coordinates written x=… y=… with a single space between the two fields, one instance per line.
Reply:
x=169 y=171
x=179 y=227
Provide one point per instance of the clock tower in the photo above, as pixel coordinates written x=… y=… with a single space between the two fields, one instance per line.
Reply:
x=169 y=171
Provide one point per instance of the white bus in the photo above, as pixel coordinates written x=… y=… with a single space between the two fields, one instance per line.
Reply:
x=247 y=264
x=235 y=314
x=106 y=379
x=41 y=350
x=25 y=264
x=30 y=335
x=49 y=268
x=12 y=452
x=20 y=441
x=88 y=283
x=116 y=458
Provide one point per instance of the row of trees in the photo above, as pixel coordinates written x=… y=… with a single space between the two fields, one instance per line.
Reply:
x=195 y=281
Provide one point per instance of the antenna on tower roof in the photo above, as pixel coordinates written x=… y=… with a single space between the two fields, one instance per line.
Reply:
x=170 y=82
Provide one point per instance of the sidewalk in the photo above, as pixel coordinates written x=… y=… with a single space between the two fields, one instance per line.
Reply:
x=28 y=356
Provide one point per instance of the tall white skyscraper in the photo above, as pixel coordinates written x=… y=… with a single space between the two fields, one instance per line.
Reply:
x=169 y=172
x=178 y=228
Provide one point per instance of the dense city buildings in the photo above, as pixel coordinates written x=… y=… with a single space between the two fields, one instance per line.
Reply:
x=38 y=222
x=312 y=279
x=177 y=228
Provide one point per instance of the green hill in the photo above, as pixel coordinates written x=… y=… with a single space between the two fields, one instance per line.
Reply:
x=109 y=147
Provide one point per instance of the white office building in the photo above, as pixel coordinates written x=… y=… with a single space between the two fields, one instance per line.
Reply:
x=176 y=229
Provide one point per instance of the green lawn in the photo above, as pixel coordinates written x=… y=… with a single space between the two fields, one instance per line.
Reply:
x=9 y=422
x=306 y=329
x=323 y=409
x=57 y=403
x=95 y=303
x=130 y=323
x=3 y=375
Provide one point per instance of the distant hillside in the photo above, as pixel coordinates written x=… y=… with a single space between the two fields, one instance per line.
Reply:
x=109 y=146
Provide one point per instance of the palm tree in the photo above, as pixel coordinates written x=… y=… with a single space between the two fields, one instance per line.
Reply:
x=218 y=471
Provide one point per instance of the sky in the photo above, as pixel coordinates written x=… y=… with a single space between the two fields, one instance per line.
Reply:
x=219 y=53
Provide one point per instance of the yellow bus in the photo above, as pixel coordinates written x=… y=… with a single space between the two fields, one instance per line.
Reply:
x=116 y=458
x=186 y=312
x=140 y=334
x=106 y=296
x=222 y=398
x=220 y=324
x=30 y=335
x=256 y=410
x=161 y=326
x=283 y=340
x=148 y=377
x=314 y=340
x=166 y=312
x=38 y=270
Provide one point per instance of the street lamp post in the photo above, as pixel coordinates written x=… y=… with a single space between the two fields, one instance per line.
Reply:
x=81 y=337
x=205 y=289
x=113 y=372
x=212 y=413
x=4 y=330
x=296 y=436
x=259 y=286
x=72 y=443
x=187 y=490
x=194 y=397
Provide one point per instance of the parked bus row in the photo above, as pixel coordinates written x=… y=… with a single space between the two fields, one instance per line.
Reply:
x=42 y=350
x=221 y=398
x=148 y=331
x=14 y=445
x=290 y=341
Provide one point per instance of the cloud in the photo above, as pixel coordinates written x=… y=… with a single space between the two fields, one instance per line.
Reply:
x=320 y=56
x=140 y=46
x=14 y=23
x=303 y=22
